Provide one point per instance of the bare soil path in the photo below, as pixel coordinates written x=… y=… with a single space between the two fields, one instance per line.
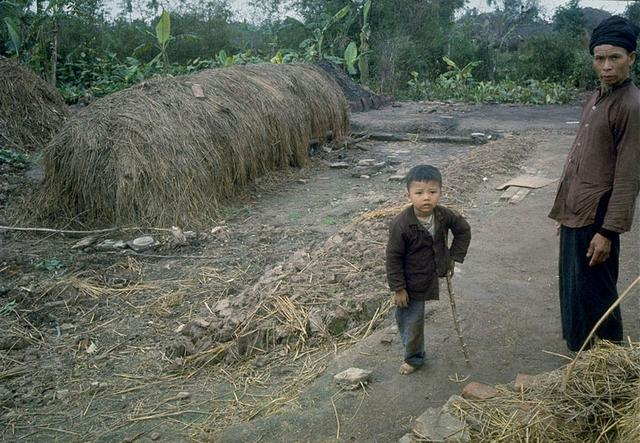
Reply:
x=507 y=292
x=129 y=307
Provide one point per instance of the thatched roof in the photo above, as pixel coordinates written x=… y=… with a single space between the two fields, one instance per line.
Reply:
x=170 y=151
x=30 y=110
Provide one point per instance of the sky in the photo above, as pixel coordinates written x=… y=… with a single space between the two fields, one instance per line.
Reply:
x=613 y=6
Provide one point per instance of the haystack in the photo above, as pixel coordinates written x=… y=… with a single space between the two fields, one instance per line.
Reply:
x=599 y=404
x=172 y=150
x=31 y=111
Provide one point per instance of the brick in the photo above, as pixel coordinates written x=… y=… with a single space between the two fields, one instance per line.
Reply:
x=479 y=391
x=525 y=381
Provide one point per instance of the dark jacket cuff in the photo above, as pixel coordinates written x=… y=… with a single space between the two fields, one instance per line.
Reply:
x=607 y=233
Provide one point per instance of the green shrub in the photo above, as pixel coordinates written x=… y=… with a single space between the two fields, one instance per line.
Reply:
x=458 y=84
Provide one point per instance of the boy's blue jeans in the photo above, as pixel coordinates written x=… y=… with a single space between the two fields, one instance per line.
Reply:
x=410 y=322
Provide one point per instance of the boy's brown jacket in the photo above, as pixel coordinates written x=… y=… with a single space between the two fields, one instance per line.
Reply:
x=415 y=259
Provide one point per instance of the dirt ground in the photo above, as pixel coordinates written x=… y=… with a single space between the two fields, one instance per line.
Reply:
x=236 y=335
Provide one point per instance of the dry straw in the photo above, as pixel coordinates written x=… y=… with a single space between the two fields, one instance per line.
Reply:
x=599 y=403
x=172 y=150
x=31 y=111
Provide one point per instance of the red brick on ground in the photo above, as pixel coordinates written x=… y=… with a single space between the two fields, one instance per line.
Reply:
x=524 y=381
x=479 y=391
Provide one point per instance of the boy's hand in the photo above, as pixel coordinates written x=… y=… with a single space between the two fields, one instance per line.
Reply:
x=401 y=298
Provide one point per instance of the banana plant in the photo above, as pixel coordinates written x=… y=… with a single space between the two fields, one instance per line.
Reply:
x=163 y=40
x=13 y=14
x=314 y=46
x=460 y=75
x=163 y=35
x=34 y=34
x=225 y=60
x=351 y=57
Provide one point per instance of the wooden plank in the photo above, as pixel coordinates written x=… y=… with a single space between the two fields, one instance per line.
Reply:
x=519 y=196
x=510 y=192
x=527 y=181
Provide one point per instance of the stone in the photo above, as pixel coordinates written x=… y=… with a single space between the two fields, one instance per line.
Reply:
x=142 y=243
x=155 y=435
x=85 y=242
x=367 y=162
x=111 y=245
x=365 y=176
x=437 y=425
x=352 y=378
x=479 y=391
x=302 y=181
x=339 y=165
x=397 y=178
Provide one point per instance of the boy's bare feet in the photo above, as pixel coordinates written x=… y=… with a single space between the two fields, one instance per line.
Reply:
x=406 y=369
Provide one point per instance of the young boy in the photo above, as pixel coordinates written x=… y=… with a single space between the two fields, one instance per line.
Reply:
x=417 y=255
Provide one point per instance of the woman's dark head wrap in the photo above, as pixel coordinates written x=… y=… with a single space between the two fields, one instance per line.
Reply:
x=615 y=31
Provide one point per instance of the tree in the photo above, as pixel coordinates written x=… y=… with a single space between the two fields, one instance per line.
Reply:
x=569 y=20
x=632 y=12
x=35 y=34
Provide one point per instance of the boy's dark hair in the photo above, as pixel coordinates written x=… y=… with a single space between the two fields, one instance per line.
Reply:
x=423 y=173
